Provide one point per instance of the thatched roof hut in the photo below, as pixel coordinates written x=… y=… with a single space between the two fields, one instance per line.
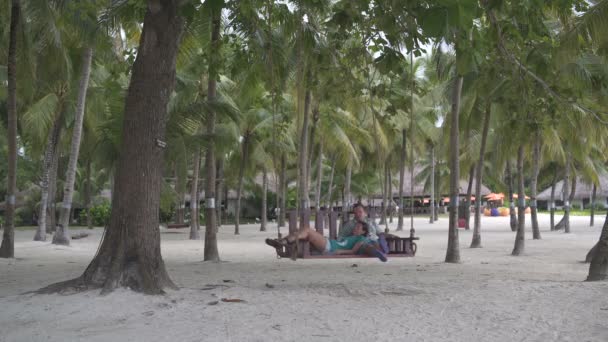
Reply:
x=583 y=190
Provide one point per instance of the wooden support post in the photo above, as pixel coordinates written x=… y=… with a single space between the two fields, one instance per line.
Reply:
x=333 y=225
x=320 y=221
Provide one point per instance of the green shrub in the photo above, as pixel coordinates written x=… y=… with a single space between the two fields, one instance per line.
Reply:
x=100 y=214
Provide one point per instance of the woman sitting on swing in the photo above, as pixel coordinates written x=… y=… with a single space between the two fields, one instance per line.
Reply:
x=357 y=243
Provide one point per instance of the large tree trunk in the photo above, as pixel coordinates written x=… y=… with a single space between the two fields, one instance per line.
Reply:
x=346 y=193
x=283 y=191
x=433 y=199
x=303 y=200
x=598 y=270
x=552 y=202
x=383 y=205
x=87 y=195
x=311 y=145
x=518 y=248
x=319 y=177
x=62 y=234
x=513 y=218
x=593 y=194
x=402 y=156
x=194 y=199
x=476 y=241
x=453 y=250
x=49 y=157
x=264 y=200
x=52 y=201
x=533 y=184
x=211 y=252
x=239 y=190
x=219 y=183
x=330 y=188
x=7 y=248
x=467 y=201
x=130 y=255
x=390 y=195
x=568 y=196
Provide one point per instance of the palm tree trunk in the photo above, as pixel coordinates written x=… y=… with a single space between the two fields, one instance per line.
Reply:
x=330 y=188
x=533 y=184
x=7 y=248
x=239 y=190
x=432 y=203
x=390 y=195
x=453 y=250
x=467 y=201
x=311 y=144
x=194 y=199
x=62 y=235
x=384 y=194
x=518 y=249
x=264 y=200
x=402 y=156
x=552 y=202
x=319 y=176
x=211 y=252
x=593 y=193
x=87 y=195
x=130 y=254
x=476 y=241
x=49 y=155
x=598 y=270
x=283 y=191
x=304 y=200
x=346 y=201
x=513 y=219
x=566 y=218
x=219 y=183
x=52 y=201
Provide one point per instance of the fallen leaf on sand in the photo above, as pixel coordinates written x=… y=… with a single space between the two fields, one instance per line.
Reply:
x=228 y=281
x=233 y=300
x=354 y=265
x=215 y=302
x=270 y=286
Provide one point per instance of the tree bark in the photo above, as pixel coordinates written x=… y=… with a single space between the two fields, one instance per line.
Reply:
x=476 y=241
x=62 y=234
x=390 y=195
x=402 y=156
x=453 y=250
x=533 y=184
x=219 y=183
x=211 y=252
x=566 y=218
x=330 y=188
x=283 y=190
x=552 y=202
x=592 y=216
x=433 y=200
x=598 y=270
x=383 y=205
x=513 y=219
x=194 y=199
x=518 y=248
x=52 y=201
x=7 y=248
x=319 y=176
x=87 y=195
x=130 y=255
x=47 y=167
x=239 y=190
x=303 y=200
x=264 y=200
x=467 y=201
x=346 y=201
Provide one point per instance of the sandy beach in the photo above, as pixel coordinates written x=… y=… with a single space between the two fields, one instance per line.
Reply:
x=490 y=296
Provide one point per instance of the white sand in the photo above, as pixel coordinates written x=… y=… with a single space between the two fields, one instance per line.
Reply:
x=490 y=296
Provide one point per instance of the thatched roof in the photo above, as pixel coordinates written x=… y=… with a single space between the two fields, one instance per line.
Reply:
x=583 y=190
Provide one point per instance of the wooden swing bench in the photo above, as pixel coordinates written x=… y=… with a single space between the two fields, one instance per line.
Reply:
x=398 y=246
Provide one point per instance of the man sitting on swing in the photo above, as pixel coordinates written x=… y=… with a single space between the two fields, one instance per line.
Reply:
x=376 y=236
x=357 y=242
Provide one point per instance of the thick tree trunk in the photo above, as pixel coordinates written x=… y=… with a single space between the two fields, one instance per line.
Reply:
x=283 y=190
x=513 y=218
x=311 y=145
x=7 y=248
x=239 y=190
x=129 y=255
x=264 y=200
x=52 y=201
x=467 y=201
x=211 y=252
x=346 y=193
x=598 y=270
x=518 y=248
x=303 y=200
x=433 y=200
x=476 y=241
x=591 y=254
x=453 y=250
x=390 y=195
x=319 y=177
x=62 y=234
x=402 y=156
x=383 y=205
x=87 y=195
x=592 y=216
x=330 y=188
x=565 y=221
x=533 y=184
x=194 y=199
x=219 y=183
x=47 y=166
x=552 y=202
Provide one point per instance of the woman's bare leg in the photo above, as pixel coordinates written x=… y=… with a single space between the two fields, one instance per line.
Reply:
x=317 y=240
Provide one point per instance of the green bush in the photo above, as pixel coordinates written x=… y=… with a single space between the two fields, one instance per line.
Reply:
x=100 y=214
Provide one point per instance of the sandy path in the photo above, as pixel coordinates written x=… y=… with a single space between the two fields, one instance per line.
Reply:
x=490 y=296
